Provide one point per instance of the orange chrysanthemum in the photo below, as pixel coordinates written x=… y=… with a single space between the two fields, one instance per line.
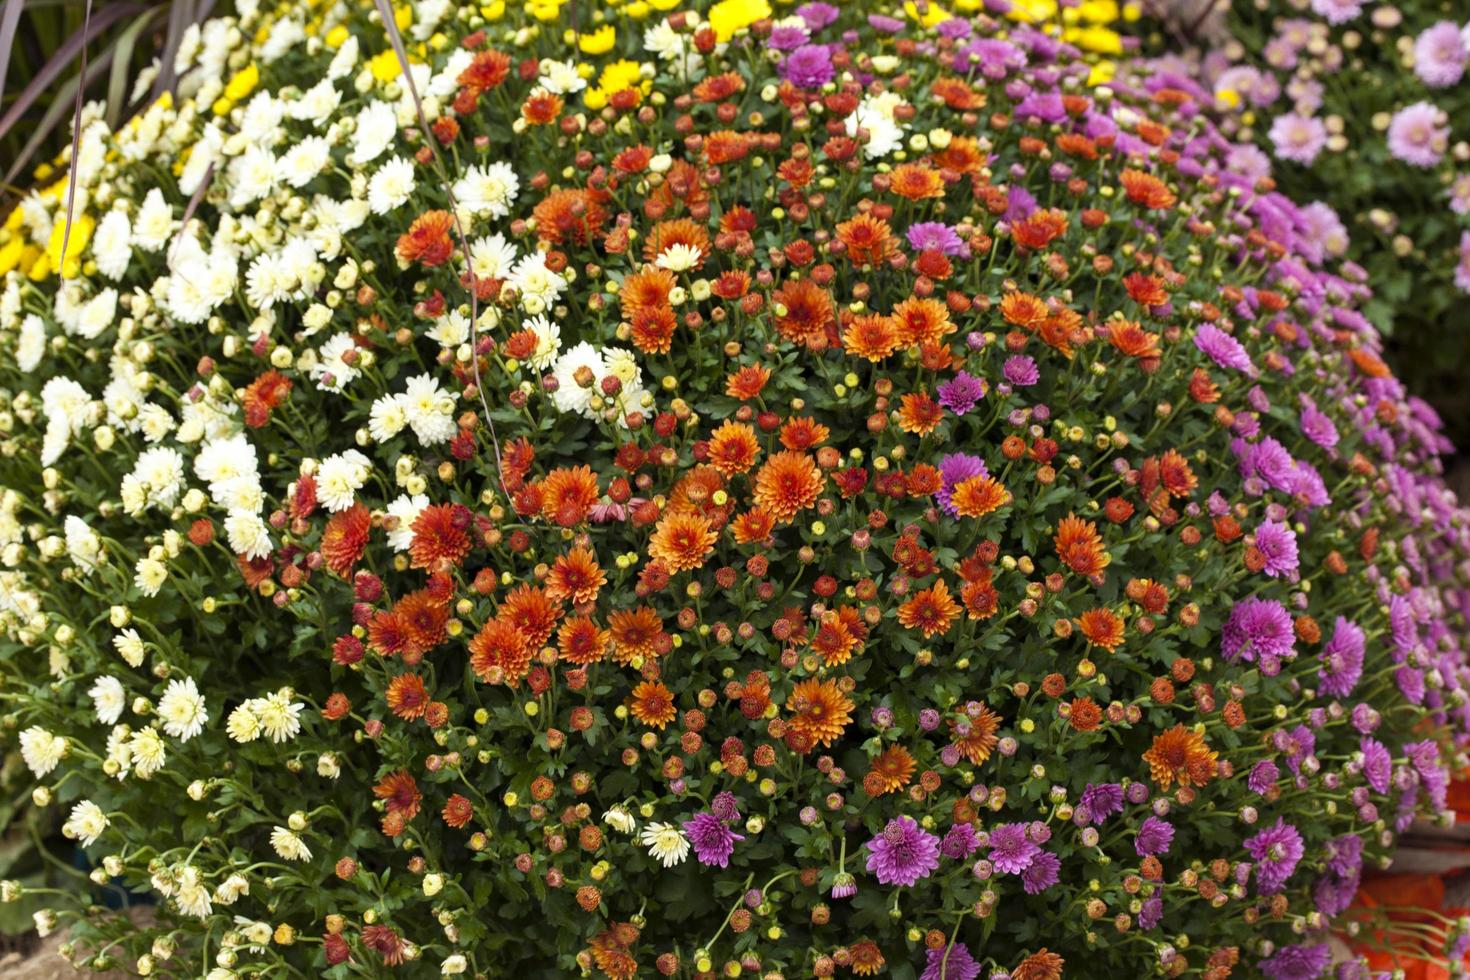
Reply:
x=1084 y=715
x=871 y=336
x=400 y=794
x=957 y=94
x=921 y=321
x=1080 y=547
x=485 y=72
x=541 y=107
x=1040 y=228
x=1040 y=965
x=427 y=240
x=1146 y=290
x=346 y=538
x=440 y=536
x=930 y=610
x=834 y=640
x=802 y=433
x=788 y=483
x=264 y=395
x=1102 y=628
x=978 y=496
x=386 y=633
x=581 y=642
x=975 y=734
x=500 y=654
x=820 y=711
x=407 y=697
x=636 y=634
x=1147 y=190
x=752 y=526
x=963 y=155
x=682 y=541
x=1131 y=339
x=733 y=448
x=1176 y=475
x=919 y=413
x=424 y=620
x=458 y=811
x=652 y=704
x=568 y=493
x=747 y=382
x=915 y=182
x=803 y=312
x=1181 y=756
x=718 y=88
x=680 y=231
x=571 y=216
x=647 y=289
x=531 y=611
x=868 y=240
x=652 y=329
x=1024 y=310
x=890 y=772
x=575 y=576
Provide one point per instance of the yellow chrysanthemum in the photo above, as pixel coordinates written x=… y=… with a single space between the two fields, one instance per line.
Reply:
x=931 y=16
x=728 y=17
x=600 y=41
x=243 y=83
x=385 y=65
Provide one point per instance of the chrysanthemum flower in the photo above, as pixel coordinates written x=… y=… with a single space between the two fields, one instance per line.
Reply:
x=733 y=448
x=575 y=576
x=788 y=483
x=930 y=611
x=636 y=633
x=1180 y=755
x=682 y=541
x=652 y=704
x=890 y=771
x=819 y=711
x=345 y=538
x=1080 y=547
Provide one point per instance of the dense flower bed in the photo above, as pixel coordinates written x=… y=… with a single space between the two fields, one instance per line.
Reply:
x=1364 y=109
x=803 y=492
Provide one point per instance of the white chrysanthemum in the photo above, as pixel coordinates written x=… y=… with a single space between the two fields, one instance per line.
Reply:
x=488 y=190
x=260 y=122
x=41 y=750
x=222 y=460
x=561 y=77
x=340 y=477
x=569 y=395
x=193 y=897
x=679 y=257
x=182 y=709
x=243 y=725
x=317 y=104
x=376 y=128
x=129 y=646
x=390 y=186
x=623 y=365
x=154 y=422
x=156 y=480
x=665 y=842
x=149 y=575
x=108 y=699
x=231 y=889
x=289 y=846
x=148 y=752
x=30 y=345
x=492 y=257
x=82 y=543
x=253 y=174
x=548 y=342
x=68 y=410
x=537 y=286
x=452 y=329
x=119 y=759
x=875 y=114
x=97 y=314
x=280 y=717
x=454 y=965
x=406 y=510
x=388 y=417
x=620 y=820
x=331 y=372
x=344 y=60
x=249 y=536
x=328 y=766
x=112 y=245
x=430 y=410
x=154 y=224
x=86 y=823
x=269 y=280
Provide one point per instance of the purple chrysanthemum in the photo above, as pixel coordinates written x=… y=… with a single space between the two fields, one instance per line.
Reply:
x=1263 y=776
x=960 y=842
x=1419 y=135
x=817 y=15
x=1337 y=11
x=1342 y=659
x=1276 y=850
x=1297 y=962
x=1020 y=371
x=1041 y=873
x=955 y=469
x=903 y=853
x=1298 y=138
x=844 y=885
x=1102 y=800
x=1152 y=912
x=712 y=841
x=809 y=66
x=725 y=806
x=950 y=963
x=787 y=37
x=1439 y=55
x=1377 y=764
x=962 y=393
x=1317 y=427
x=1154 y=837
x=1258 y=629
x=936 y=236
x=1011 y=851
x=1345 y=855
x=1222 y=348
x=1277 y=544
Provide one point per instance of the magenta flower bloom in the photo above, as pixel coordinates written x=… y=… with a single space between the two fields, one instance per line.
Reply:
x=1011 y=851
x=1298 y=138
x=1041 y=873
x=903 y=853
x=1222 y=348
x=1154 y=837
x=1462 y=270
x=809 y=66
x=955 y=469
x=1377 y=764
x=1439 y=55
x=1419 y=135
x=1263 y=776
x=1021 y=371
x=1297 y=962
x=1337 y=11
x=960 y=842
x=1318 y=427
x=936 y=236
x=962 y=393
x=950 y=963
x=1342 y=659
x=1277 y=543
x=1102 y=801
x=1258 y=628
x=1276 y=849
x=712 y=841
